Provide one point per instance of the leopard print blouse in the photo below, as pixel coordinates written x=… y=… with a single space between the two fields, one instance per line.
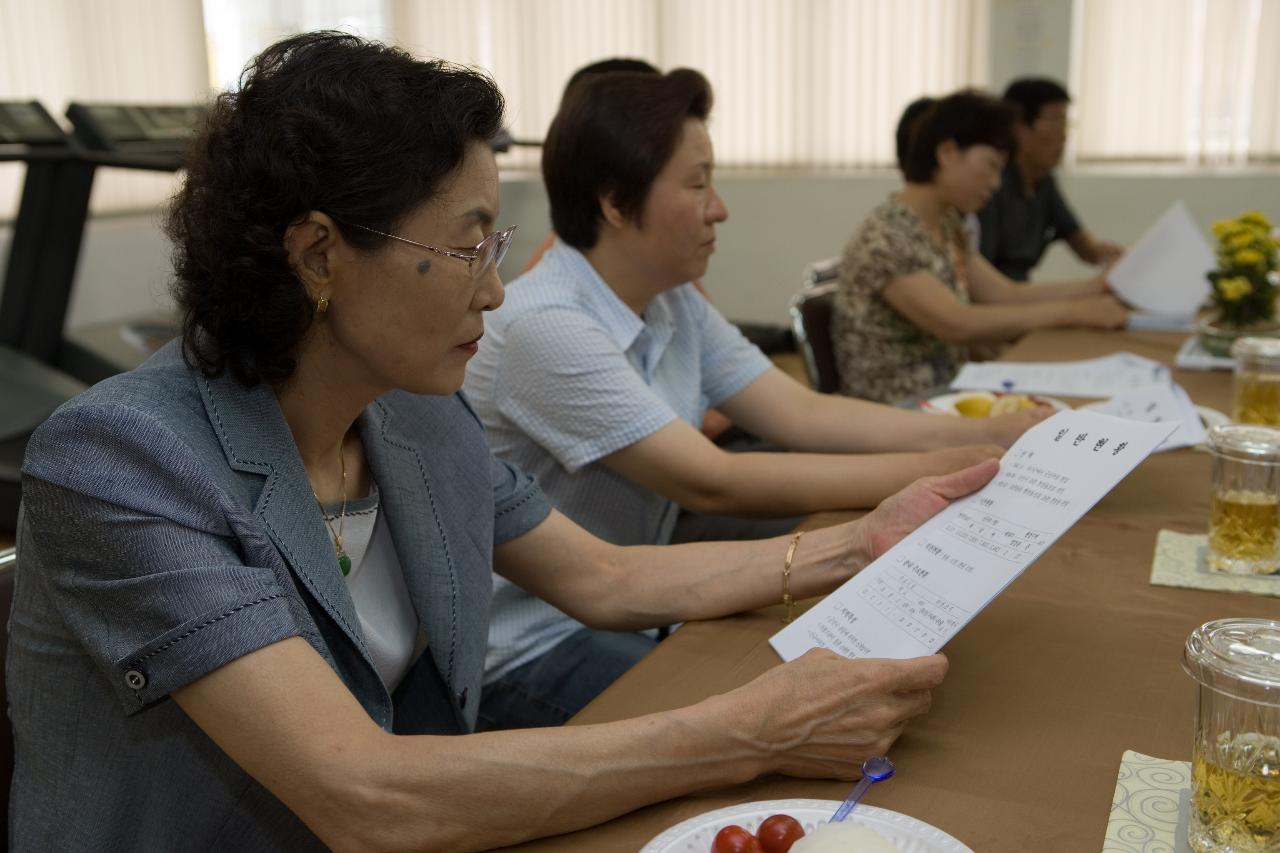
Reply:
x=881 y=355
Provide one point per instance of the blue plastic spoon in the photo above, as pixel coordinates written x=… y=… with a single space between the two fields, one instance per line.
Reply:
x=875 y=769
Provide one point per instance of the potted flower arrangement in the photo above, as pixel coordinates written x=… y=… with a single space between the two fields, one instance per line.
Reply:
x=1244 y=286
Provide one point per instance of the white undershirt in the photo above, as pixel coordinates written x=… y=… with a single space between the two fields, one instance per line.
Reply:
x=376 y=583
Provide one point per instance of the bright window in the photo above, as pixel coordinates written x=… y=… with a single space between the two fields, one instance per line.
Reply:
x=236 y=30
x=128 y=51
x=1196 y=81
x=798 y=83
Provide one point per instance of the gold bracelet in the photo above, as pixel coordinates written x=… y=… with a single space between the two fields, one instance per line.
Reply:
x=787 y=601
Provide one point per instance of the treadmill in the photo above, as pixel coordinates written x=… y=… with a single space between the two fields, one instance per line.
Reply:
x=30 y=389
x=152 y=137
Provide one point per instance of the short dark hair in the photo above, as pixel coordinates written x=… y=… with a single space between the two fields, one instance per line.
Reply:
x=608 y=66
x=1032 y=94
x=612 y=136
x=321 y=121
x=906 y=123
x=967 y=117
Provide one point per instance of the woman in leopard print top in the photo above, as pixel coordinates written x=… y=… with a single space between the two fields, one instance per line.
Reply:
x=913 y=298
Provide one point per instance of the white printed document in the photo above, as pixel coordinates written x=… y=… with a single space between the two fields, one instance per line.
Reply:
x=1164 y=272
x=1166 y=404
x=1095 y=377
x=920 y=593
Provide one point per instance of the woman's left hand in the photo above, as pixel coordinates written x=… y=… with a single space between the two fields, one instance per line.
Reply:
x=1107 y=253
x=1102 y=281
x=903 y=512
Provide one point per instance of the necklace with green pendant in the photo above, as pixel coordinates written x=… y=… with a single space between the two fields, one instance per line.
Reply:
x=344 y=560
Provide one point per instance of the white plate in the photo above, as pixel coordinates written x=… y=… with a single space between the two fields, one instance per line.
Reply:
x=905 y=833
x=945 y=404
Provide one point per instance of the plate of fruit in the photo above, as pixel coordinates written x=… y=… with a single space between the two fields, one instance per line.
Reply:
x=987 y=404
x=801 y=826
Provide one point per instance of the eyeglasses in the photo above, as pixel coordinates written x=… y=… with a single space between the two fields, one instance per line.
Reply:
x=488 y=252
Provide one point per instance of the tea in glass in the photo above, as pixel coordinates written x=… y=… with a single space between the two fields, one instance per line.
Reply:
x=1235 y=768
x=1257 y=381
x=1242 y=529
x=1257 y=399
x=1244 y=504
x=1236 y=804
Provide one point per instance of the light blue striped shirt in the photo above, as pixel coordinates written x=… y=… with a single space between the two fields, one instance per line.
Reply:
x=567 y=374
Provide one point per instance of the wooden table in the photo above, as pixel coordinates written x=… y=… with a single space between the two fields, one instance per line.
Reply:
x=1077 y=661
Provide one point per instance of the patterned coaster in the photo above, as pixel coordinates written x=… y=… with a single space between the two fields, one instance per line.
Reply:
x=1149 y=809
x=1180 y=561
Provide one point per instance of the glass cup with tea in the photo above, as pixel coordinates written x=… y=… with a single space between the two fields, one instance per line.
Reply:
x=1244 y=507
x=1256 y=397
x=1235 y=768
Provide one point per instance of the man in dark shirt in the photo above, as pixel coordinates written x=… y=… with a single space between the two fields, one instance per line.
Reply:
x=1028 y=212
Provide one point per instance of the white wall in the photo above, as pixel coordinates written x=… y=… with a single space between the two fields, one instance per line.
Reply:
x=777 y=224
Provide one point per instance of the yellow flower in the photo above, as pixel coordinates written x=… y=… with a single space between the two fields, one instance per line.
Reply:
x=1234 y=289
x=1257 y=219
x=1249 y=258
x=1239 y=239
x=1223 y=227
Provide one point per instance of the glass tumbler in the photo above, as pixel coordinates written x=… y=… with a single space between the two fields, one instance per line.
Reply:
x=1235 y=768
x=1244 y=507
x=1256 y=397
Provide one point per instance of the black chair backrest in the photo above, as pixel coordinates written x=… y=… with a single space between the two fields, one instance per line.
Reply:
x=811 y=311
x=8 y=567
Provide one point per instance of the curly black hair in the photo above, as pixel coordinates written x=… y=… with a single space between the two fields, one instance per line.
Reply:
x=320 y=121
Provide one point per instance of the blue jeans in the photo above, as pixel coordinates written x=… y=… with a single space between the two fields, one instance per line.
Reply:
x=550 y=689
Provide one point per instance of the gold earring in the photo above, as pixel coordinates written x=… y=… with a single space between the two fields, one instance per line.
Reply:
x=322 y=304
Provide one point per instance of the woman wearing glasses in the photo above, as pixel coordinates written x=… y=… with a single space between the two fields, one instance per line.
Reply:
x=256 y=571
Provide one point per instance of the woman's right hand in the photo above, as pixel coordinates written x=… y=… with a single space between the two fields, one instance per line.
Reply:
x=1101 y=312
x=822 y=714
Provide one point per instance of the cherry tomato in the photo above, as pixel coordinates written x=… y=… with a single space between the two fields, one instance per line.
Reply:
x=778 y=833
x=735 y=839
